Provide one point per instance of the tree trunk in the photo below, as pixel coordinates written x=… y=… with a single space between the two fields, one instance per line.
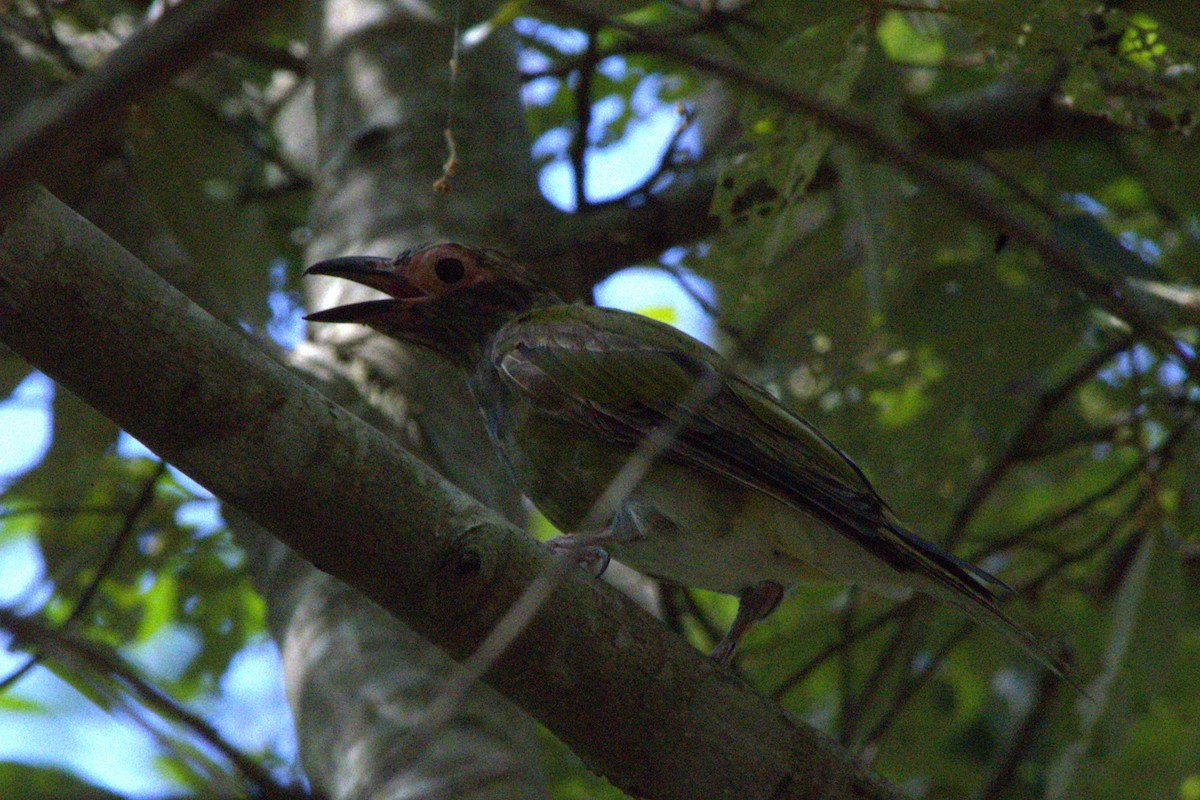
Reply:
x=357 y=680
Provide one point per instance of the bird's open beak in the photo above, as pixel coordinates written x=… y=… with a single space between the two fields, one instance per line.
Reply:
x=373 y=271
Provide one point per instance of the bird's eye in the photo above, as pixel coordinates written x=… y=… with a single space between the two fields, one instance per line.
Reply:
x=449 y=270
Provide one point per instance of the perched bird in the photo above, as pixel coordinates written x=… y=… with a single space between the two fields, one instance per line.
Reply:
x=745 y=497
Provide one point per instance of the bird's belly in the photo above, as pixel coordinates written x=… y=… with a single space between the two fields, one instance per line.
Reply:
x=698 y=530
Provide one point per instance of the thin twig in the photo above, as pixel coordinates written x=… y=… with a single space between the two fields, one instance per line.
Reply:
x=266 y=55
x=1158 y=456
x=1074 y=510
x=849 y=712
x=145 y=496
x=61 y=645
x=564 y=66
x=903 y=643
x=1047 y=403
x=1005 y=771
x=802 y=674
x=262 y=147
x=1038 y=449
x=681 y=278
x=1154 y=462
x=128 y=525
x=667 y=163
x=51 y=40
x=908 y=688
x=577 y=151
x=1107 y=537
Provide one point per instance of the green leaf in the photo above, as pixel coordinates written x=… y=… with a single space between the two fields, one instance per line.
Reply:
x=20 y=781
x=1130 y=67
x=784 y=149
x=907 y=43
x=762 y=198
x=159 y=606
x=13 y=703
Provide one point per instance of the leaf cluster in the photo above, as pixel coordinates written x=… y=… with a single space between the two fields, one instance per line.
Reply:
x=999 y=408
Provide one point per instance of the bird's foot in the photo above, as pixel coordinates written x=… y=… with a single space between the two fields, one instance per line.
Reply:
x=757 y=601
x=591 y=557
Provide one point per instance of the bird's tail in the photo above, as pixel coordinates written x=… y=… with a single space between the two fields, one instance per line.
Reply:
x=977 y=593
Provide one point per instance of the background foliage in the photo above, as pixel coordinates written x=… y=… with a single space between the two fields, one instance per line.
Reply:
x=1005 y=409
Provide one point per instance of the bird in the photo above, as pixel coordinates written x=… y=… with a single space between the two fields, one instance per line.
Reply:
x=744 y=497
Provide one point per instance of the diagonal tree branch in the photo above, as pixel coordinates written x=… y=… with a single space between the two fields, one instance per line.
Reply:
x=639 y=704
x=182 y=35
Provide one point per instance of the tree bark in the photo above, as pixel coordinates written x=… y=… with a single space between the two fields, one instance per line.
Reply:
x=637 y=703
x=380 y=89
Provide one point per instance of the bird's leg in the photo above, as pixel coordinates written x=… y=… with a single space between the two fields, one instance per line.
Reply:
x=756 y=602
x=586 y=550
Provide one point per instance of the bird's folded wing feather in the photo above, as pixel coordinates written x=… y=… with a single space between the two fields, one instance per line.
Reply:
x=622 y=377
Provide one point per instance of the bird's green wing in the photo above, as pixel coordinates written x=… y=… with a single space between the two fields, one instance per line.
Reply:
x=622 y=376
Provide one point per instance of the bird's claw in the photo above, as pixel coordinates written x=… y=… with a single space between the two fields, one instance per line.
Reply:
x=591 y=557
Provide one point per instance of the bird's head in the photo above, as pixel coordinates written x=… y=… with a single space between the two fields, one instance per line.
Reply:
x=447 y=297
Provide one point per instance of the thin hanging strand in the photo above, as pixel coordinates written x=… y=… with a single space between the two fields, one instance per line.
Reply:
x=444 y=184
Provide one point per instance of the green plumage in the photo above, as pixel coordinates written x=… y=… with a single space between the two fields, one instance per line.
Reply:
x=746 y=498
